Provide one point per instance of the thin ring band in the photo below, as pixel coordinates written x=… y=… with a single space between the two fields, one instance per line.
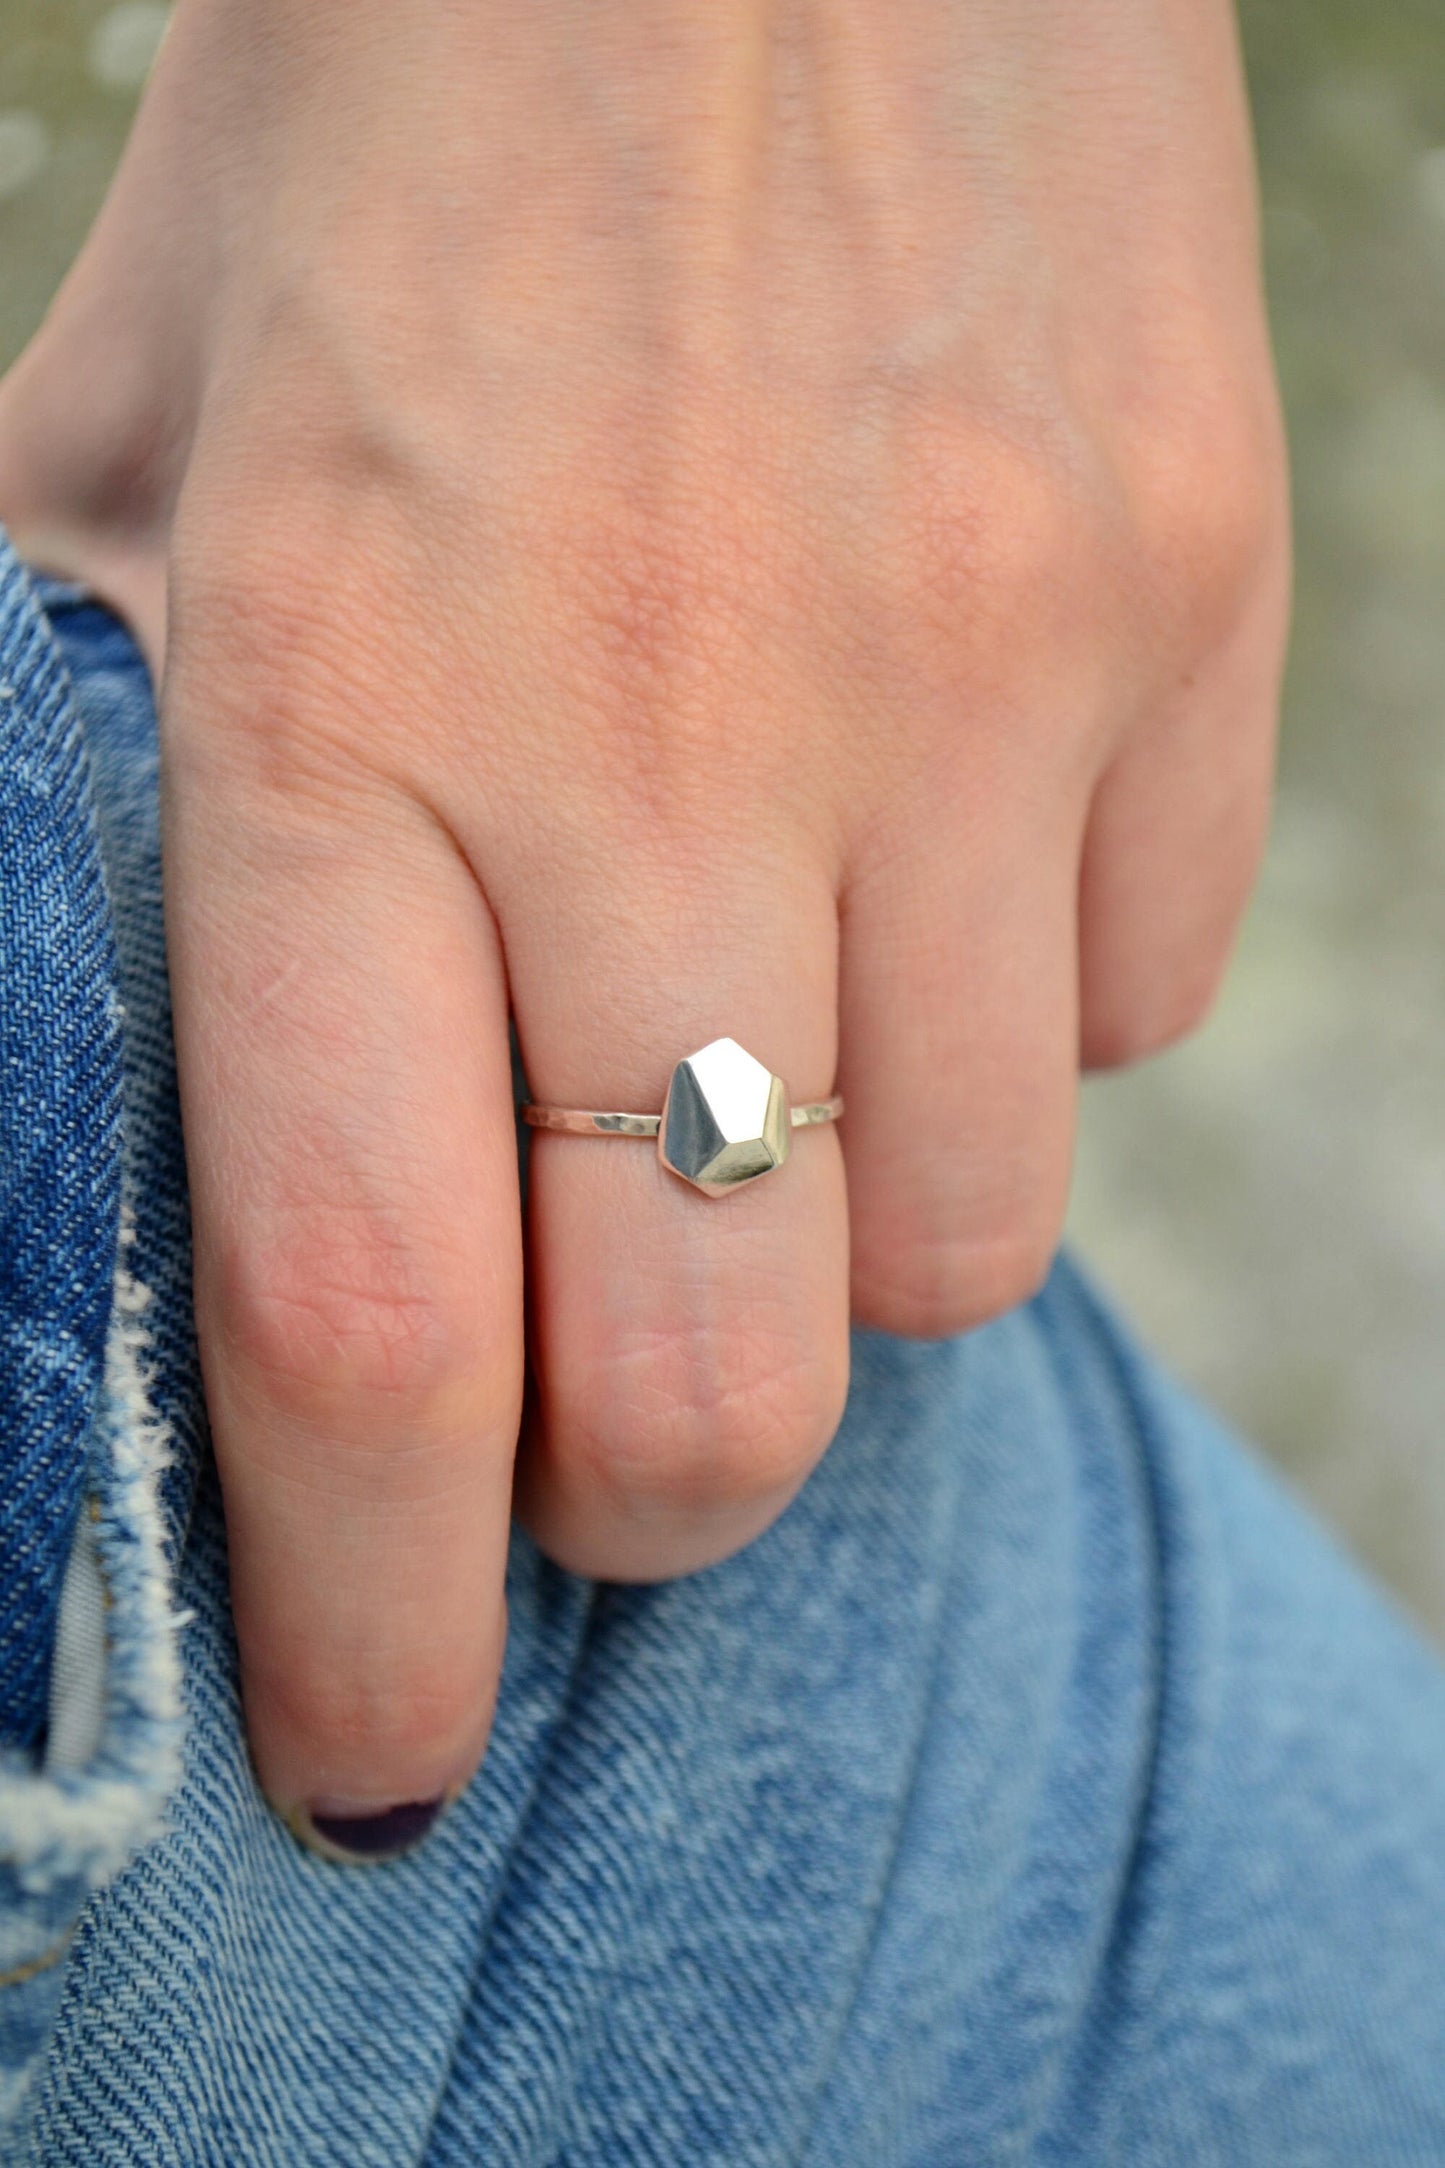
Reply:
x=583 y=1122
x=726 y=1119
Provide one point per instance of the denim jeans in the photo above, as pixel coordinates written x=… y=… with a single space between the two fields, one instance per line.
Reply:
x=1044 y=1787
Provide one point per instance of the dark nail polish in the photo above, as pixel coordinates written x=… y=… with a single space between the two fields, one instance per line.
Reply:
x=371 y=1836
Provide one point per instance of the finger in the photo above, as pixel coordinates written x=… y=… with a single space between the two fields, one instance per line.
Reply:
x=1173 y=843
x=690 y=1353
x=342 y=1036
x=959 y=1028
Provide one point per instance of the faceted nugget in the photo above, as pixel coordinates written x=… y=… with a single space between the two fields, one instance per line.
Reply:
x=725 y=1120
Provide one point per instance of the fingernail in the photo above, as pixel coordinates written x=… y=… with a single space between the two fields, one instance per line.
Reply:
x=363 y=1836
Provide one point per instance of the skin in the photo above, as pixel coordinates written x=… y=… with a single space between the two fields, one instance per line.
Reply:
x=667 y=519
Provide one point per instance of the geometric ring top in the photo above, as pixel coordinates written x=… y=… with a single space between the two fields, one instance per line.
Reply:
x=725 y=1121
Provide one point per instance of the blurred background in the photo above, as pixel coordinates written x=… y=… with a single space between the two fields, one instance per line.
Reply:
x=1269 y=1201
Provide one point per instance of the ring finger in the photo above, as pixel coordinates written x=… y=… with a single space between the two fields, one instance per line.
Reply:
x=690 y=1353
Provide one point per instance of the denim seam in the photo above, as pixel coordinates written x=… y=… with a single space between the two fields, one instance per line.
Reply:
x=85 y=1825
x=60 y=1069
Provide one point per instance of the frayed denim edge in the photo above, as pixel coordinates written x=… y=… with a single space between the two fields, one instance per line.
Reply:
x=82 y=1826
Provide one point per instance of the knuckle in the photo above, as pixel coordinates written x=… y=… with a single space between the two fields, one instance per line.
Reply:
x=995 y=522
x=650 y=591
x=337 y=1320
x=1207 y=496
x=1179 y=512
x=255 y=585
x=662 y=611
x=1004 y=529
x=275 y=649
x=665 y=599
x=931 y=1290
x=685 y=1428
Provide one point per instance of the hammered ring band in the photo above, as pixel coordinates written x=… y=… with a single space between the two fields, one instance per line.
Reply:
x=726 y=1119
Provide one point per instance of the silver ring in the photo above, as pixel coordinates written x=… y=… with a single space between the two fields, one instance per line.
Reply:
x=726 y=1119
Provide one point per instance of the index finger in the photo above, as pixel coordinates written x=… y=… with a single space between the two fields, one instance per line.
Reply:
x=341 y=1021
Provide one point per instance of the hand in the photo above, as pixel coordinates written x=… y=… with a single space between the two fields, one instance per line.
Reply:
x=671 y=520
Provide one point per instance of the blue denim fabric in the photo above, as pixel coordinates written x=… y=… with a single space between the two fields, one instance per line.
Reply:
x=1044 y=1787
x=60 y=1072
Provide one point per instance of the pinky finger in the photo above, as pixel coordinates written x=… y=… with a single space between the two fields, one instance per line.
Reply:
x=1173 y=843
